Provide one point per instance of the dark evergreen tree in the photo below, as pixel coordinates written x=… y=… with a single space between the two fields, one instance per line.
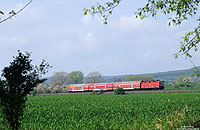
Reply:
x=18 y=80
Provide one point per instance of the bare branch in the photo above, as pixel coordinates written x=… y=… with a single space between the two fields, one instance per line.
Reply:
x=195 y=66
x=15 y=13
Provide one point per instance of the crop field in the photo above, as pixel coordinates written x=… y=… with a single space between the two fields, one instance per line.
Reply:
x=96 y=112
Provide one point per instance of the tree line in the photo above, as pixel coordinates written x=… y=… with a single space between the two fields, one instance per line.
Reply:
x=60 y=80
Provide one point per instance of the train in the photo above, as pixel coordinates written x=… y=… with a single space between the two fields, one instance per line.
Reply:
x=128 y=85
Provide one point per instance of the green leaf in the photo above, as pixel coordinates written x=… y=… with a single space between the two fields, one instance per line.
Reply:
x=1 y=12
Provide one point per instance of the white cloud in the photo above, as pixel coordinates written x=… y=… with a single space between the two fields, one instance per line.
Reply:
x=89 y=42
x=12 y=40
x=87 y=37
x=126 y=23
x=86 y=19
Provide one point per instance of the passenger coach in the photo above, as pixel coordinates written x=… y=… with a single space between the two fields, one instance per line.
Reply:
x=129 y=85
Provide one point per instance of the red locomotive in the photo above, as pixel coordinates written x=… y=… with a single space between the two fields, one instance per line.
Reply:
x=129 y=85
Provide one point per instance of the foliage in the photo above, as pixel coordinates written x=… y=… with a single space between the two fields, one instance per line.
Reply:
x=97 y=92
x=93 y=92
x=183 y=80
x=48 y=90
x=18 y=80
x=131 y=111
x=182 y=9
x=139 y=78
x=41 y=88
x=101 y=92
x=104 y=10
x=188 y=81
x=94 y=77
x=57 y=89
x=59 y=78
x=180 y=78
x=179 y=85
x=34 y=93
x=171 y=86
x=75 y=77
x=119 y=91
x=64 y=90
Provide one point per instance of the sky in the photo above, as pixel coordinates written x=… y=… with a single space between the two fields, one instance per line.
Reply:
x=59 y=33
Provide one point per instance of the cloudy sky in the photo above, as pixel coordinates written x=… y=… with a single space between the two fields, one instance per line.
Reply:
x=58 y=32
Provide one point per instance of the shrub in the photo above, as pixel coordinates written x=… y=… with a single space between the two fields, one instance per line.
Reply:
x=179 y=85
x=64 y=90
x=34 y=93
x=47 y=90
x=57 y=89
x=41 y=88
x=93 y=93
x=119 y=91
x=101 y=92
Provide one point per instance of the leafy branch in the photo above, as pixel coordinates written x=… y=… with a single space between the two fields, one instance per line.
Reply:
x=182 y=9
x=191 y=40
x=104 y=10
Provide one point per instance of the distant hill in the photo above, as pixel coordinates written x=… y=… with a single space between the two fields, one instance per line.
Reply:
x=169 y=76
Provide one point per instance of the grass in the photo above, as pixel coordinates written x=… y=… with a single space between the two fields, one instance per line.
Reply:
x=94 y=112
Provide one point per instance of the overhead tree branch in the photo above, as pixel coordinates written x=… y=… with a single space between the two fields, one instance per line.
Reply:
x=104 y=10
x=13 y=13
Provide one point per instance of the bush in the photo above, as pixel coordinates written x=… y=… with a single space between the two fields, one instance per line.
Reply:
x=34 y=93
x=97 y=92
x=119 y=91
x=47 y=90
x=93 y=93
x=101 y=92
x=57 y=89
x=41 y=88
x=64 y=90
x=179 y=85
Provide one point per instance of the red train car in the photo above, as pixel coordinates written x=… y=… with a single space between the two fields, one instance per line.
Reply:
x=129 y=85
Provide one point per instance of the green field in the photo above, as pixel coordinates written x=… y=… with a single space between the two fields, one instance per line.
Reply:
x=131 y=111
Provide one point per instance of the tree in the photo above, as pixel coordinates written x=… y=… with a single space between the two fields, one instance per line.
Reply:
x=94 y=77
x=13 y=13
x=75 y=77
x=18 y=80
x=41 y=88
x=57 y=89
x=179 y=79
x=181 y=10
x=188 y=81
x=59 y=78
x=139 y=78
x=183 y=81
